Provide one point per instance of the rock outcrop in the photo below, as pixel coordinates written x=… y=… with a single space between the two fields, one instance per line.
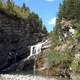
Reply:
x=16 y=35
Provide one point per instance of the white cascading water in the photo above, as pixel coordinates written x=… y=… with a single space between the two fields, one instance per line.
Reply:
x=35 y=50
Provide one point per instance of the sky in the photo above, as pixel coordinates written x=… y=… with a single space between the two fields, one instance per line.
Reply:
x=46 y=9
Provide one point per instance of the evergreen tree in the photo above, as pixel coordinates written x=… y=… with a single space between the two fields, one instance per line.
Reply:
x=35 y=20
x=69 y=9
x=25 y=7
x=10 y=5
x=45 y=30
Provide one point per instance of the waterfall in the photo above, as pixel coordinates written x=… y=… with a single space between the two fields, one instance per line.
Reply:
x=35 y=49
x=38 y=48
x=34 y=67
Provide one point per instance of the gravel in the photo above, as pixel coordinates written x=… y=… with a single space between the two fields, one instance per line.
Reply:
x=23 y=77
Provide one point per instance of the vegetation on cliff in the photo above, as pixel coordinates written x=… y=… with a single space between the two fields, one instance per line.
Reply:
x=10 y=9
x=19 y=29
x=65 y=43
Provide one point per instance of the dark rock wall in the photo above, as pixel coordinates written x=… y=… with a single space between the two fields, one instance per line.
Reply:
x=16 y=35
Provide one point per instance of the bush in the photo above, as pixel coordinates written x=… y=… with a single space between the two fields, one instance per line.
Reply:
x=56 y=58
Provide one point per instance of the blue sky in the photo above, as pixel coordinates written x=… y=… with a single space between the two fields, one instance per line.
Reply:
x=46 y=9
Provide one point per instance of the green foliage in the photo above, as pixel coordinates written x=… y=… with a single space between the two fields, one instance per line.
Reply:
x=24 y=6
x=36 y=21
x=70 y=9
x=77 y=25
x=57 y=58
x=1 y=4
x=10 y=5
x=23 y=12
x=11 y=9
x=44 y=30
x=55 y=38
x=53 y=58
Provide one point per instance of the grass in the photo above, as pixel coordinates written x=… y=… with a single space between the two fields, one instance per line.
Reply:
x=15 y=10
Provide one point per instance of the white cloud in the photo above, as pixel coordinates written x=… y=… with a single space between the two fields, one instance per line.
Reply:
x=52 y=21
x=49 y=0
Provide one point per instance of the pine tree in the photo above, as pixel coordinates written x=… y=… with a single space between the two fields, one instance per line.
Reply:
x=69 y=9
x=36 y=21
x=25 y=7
x=10 y=5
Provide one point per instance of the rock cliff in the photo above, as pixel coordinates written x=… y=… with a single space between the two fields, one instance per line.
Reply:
x=16 y=35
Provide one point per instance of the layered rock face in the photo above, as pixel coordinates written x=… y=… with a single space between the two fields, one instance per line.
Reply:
x=16 y=35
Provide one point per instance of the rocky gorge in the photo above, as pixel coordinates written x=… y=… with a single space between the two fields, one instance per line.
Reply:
x=16 y=35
